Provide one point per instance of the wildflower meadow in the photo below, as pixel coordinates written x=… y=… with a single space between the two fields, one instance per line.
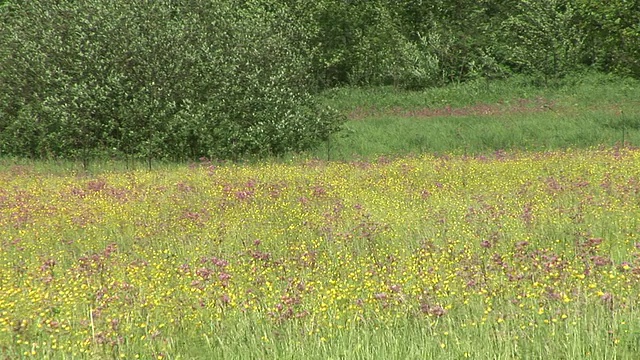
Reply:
x=509 y=255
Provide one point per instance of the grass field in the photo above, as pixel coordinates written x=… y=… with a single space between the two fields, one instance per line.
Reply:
x=483 y=117
x=474 y=252
x=530 y=255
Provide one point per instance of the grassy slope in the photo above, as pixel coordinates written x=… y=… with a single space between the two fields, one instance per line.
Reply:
x=595 y=110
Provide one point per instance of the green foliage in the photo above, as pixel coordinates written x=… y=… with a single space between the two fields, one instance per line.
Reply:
x=540 y=38
x=612 y=30
x=177 y=79
x=457 y=34
x=163 y=79
x=415 y=44
x=480 y=117
x=355 y=42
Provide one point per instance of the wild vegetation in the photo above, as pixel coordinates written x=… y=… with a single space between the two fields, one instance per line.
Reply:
x=227 y=79
x=154 y=80
x=529 y=254
x=408 y=179
x=480 y=117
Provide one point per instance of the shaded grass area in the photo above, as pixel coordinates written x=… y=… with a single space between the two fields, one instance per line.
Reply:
x=485 y=117
x=413 y=340
x=586 y=89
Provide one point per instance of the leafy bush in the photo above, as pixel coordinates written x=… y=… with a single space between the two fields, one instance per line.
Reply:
x=156 y=79
x=612 y=35
x=360 y=43
x=541 y=38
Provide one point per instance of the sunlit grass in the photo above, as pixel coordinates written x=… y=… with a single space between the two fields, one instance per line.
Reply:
x=485 y=116
x=514 y=255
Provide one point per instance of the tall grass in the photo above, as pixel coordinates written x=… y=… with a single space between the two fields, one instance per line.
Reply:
x=585 y=112
x=513 y=255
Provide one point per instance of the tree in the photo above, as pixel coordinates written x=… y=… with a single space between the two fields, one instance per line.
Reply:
x=540 y=37
x=612 y=31
x=155 y=79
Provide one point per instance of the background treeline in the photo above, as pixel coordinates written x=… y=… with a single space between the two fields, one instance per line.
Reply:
x=419 y=43
x=183 y=79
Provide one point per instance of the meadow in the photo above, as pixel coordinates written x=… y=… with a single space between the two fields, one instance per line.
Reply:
x=483 y=116
x=476 y=250
x=512 y=255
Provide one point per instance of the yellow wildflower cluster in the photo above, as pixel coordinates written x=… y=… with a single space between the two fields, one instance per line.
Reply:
x=123 y=264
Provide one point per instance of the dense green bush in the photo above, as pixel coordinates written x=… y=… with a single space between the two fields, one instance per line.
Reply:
x=416 y=43
x=612 y=35
x=353 y=42
x=156 y=79
x=540 y=38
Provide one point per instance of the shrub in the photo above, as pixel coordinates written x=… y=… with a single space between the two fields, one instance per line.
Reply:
x=169 y=79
